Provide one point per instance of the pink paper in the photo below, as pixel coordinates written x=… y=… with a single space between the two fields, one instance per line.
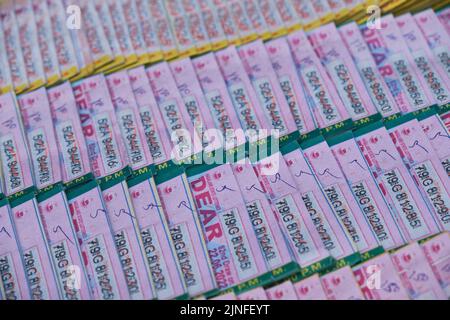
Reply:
x=372 y=78
x=368 y=194
x=185 y=230
x=100 y=128
x=332 y=234
x=341 y=69
x=284 y=291
x=378 y=279
x=396 y=184
x=416 y=274
x=13 y=278
x=72 y=147
x=38 y=124
x=39 y=269
x=437 y=252
x=227 y=227
x=158 y=140
x=341 y=285
x=310 y=289
x=254 y=294
x=339 y=194
x=284 y=66
x=64 y=248
x=16 y=166
x=428 y=68
x=268 y=233
x=159 y=250
x=265 y=82
x=426 y=169
x=97 y=245
x=129 y=120
x=290 y=211
x=323 y=98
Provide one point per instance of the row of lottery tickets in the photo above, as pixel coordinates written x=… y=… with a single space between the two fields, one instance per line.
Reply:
x=47 y=42
x=94 y=209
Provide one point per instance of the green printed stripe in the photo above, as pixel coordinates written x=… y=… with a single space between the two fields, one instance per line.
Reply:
x=334 y=140
x=366 y=129
x=75 y=192
x=49 y=192
x=397 y=120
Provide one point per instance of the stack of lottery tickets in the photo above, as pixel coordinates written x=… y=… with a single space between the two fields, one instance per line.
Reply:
x=227 y=150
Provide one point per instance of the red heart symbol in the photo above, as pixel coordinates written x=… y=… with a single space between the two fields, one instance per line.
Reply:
x=272 y=50
x=296 y=41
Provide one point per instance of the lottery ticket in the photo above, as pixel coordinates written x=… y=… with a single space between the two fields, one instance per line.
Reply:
x=6 y=84
x=283 y=291
x=341 y=285
x=254 y=294
x=310 y=289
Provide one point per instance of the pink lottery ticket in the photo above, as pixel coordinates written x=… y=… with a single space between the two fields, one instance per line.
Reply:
x=284 y=66
x=341 y=285
x=100 y=50
x=378 y=279
x=242 y=21
x=218 y=100
x=436 y=36
x=444 y=18
x=199 y=114
x=401 y=63
x=148 y=30
x=197 y=26
x=320 y=92
x=328 y=225
x=15 y=159
x=38 y=125
x=267 y=87
x=100 y=128
x=375 y=80
x=272 y=17
x=185 y=230
x=13 y=281
x=29 y=43
x=213 y=27
x=322 y=9
x=163 y=30
x=287 y=14
x=367 y=192
x=268 y=233
x=6 y=84
x=65 y=52
x=180 y=29
x=232 y=242
x=72 y=148
x=12 y=46
x=437 y=252
x=39 y=269
x=254 y=294
x=416 y=274
x=131 y=16
x=339 y=195
x=436 y=78
x=82 y=49
x=256 y=18
x=159 y=250
x=158 y=140
x=105 y=20
x=283 y=291
x=46 y=41
x=310 y=289
x=122 y=32
x=225 y=18
x=424 y=166
x=290 y=211
x=241 y=91
x=129 y=120
x=341 y=69
x=395 y=182
x=305 y=11
x=65 y=251
x=128 y=241
x=97 y=243
x=438 y=135
x=175 y=116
